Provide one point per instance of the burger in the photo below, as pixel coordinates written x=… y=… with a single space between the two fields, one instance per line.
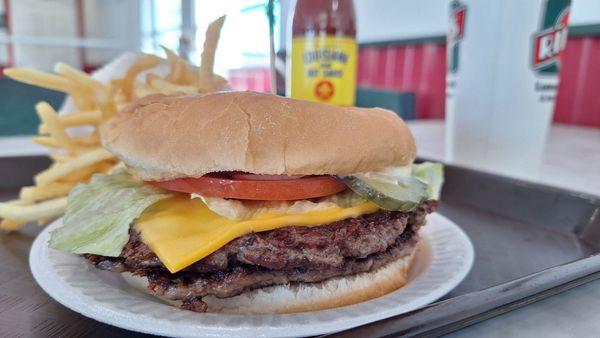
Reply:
x=242 y=202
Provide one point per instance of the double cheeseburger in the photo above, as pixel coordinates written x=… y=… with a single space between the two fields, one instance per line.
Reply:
x=243 y=202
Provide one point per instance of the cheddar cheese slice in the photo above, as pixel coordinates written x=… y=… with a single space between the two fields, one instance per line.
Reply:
x=181 y=231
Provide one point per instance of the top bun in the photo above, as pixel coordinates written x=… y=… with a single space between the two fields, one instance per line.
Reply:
x=166 y=137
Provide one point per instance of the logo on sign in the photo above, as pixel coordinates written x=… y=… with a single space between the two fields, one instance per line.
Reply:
x=549 y=43
x=324 y=90
x=458 y=13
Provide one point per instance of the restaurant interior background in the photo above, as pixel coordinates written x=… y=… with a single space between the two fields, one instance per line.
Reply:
x=402 y=48
x=519 y=226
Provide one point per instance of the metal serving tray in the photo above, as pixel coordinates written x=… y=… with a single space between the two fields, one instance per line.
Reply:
x=531 y=241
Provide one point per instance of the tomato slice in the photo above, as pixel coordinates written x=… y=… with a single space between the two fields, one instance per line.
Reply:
x=225 y=186
x=253 y=177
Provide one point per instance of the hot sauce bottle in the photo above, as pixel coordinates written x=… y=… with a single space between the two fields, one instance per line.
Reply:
x=322 y=61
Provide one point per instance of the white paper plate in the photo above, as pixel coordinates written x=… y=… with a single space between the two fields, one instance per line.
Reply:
x=443 y=261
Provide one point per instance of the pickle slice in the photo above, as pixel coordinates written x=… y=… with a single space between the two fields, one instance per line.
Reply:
x=404 y=196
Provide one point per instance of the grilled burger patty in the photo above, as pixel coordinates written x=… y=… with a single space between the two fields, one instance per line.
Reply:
x=289 y=254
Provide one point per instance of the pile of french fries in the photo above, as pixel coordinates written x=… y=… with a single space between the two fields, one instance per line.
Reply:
x=77 y=158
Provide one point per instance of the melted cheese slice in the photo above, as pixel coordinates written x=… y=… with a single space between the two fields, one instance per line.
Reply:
x=181 y=231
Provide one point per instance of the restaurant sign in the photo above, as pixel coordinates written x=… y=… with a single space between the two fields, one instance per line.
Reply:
x=550 y=41
x=458 y=12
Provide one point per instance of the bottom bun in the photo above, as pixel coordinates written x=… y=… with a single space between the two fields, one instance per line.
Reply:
x=301 y=297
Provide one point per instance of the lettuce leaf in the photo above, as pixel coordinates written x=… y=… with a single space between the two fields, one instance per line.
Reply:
x=99 y=213
x=431 y=174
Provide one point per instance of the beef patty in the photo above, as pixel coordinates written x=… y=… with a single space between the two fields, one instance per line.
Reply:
x=281 y=256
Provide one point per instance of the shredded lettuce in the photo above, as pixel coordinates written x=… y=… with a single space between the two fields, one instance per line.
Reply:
x=346 y=199
x=239 y=210
x=391 y=175
x=99 y=213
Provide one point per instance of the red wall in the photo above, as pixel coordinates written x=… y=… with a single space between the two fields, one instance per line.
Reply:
x=417 y=68
x=257 y=79
x=578 y=99
x=421 y=68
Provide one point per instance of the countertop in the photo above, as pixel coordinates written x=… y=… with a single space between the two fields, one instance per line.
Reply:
x=571 y=160
x=11 y=146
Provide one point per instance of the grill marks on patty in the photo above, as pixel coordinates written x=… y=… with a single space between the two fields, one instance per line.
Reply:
x=291 y=247
x=290 y=254
x=188 y=286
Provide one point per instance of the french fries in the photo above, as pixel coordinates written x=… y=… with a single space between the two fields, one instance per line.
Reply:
x=45 y=141
x=40 y=79
x=163 y=86
x=49 y=117
x=40 y=193
x=59 y=157
x=100 y=92
x=92 y=117
x=48 y=209
x=10 y=225
x=74 y=119
x=139 y=66
x=77 y=158
x=79 y=163
x=210 y=47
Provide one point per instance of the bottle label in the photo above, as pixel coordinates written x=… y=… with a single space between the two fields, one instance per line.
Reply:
x=323 y=68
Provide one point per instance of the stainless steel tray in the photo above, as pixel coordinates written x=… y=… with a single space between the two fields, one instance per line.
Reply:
x=531 y=241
